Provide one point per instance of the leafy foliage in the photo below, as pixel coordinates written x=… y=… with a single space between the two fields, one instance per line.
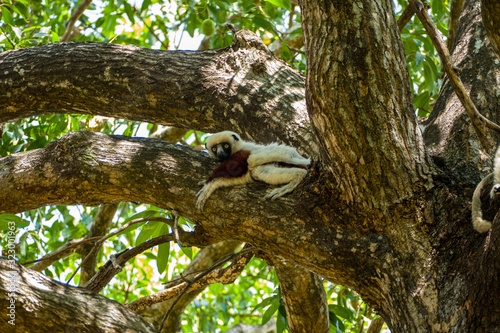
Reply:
x=255 y=298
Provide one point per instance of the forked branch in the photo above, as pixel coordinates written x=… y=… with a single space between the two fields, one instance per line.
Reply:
x=479 y=121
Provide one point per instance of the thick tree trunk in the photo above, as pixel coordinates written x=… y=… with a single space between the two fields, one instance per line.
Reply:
x=359 y=100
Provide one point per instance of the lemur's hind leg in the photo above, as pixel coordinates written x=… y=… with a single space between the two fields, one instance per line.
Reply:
x=275 y=175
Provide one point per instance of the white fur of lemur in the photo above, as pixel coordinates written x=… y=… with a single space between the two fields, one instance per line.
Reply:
x=243 y=162
x=480 y=224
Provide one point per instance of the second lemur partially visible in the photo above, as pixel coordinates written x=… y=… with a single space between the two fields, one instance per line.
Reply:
x=243 y=162
x=480 y=224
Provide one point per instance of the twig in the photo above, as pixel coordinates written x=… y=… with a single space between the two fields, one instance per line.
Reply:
x=8 y=39
x=69 y=247
x=74 y=17
x=405 y=17
x=176 y=231
x=479 y=121
x=104 y=238
x=114 y=266
x=226 y=275
x=106 y=272
x=455 y=10
x=150 y=29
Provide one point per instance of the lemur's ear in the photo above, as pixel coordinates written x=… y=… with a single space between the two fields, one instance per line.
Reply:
x=236 y=137
x=206 y=147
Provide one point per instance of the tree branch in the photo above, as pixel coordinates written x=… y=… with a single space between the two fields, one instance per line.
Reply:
x=114 y=265
x=37 y=298
x=478 y=120
x=74 y=17
x=69 y=247
x=405 y=17
x=203 y=260
x=90 y=168
x=455 y=10
x=207 y=277
x=100 y=227
x=304 y=297
x=207 y=90
x=490 y=11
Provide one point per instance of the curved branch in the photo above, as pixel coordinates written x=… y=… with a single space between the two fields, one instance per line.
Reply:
x=91 y=168
x=114 y=265
x=213 y=274
x=208 y=90
x=479 y=121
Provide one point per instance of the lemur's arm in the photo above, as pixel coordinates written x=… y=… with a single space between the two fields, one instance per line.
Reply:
x=232 y=172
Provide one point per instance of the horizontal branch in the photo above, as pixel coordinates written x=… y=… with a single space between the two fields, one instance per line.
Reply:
x=91 y=168
x=208 y=90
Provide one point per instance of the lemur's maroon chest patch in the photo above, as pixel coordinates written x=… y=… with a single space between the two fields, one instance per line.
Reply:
x=235 y=166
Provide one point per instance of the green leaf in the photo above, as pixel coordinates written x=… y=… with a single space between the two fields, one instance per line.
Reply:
x=147 y=231
x=55 y=38
x=419 y=57
x=188 y=251
x=421 y=100
x=6 y=218
x=270 y=311
x=285 y=52
x=146 y=213
x=38 y=143
x=281 y=3
x=163 y=254
x=145 y=5
x=262 y=22
x=265 y=302
x=130 y=12
x=281 y=323
x=342 y=312
x=7 y=16
x=191 y=24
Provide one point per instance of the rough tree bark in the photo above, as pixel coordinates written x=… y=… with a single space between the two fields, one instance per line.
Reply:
x=374 y=214
x=47 y=305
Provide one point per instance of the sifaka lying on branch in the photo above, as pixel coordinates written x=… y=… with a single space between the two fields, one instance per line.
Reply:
x=243 y=162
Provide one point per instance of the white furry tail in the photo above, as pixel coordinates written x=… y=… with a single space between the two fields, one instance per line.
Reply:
x=480 y=224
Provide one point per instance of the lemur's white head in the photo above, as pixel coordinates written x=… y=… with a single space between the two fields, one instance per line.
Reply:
x=223 y=144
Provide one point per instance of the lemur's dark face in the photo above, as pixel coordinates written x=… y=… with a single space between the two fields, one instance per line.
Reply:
x=221 y=151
